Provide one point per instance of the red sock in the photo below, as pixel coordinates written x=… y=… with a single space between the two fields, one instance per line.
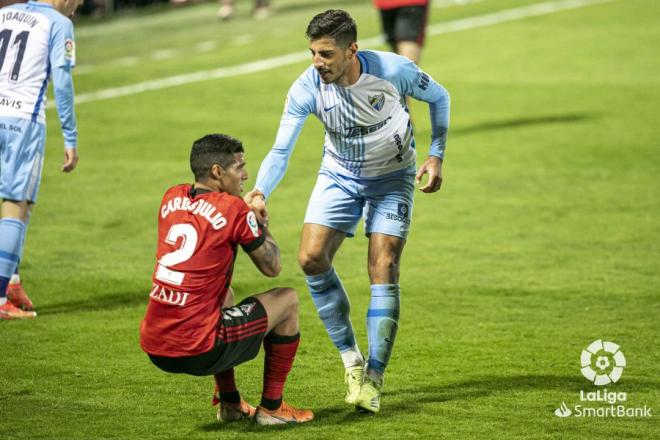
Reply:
x=224 y=383
x=280 y=352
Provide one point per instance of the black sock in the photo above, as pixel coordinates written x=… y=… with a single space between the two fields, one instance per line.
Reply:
x=231 y=397
x=271 y=404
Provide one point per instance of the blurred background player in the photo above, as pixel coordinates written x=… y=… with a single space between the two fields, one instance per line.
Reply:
x=191 y=324
x=36 y=43
x=260 y=10
x=404 y=25
x=367 y=170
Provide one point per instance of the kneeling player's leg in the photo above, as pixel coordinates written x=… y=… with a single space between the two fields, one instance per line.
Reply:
x=231 y=406
x=280 y=346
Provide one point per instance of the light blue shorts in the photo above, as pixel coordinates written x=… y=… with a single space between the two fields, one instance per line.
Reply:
x=386 y=203
x=21 y=158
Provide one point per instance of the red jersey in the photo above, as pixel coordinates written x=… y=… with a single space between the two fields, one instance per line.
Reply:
x=392 y=4
x=197 y=242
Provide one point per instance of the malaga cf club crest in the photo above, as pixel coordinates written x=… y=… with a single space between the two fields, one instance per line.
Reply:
x=377 y=101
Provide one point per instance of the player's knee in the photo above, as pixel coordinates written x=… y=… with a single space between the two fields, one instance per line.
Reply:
x=312 y=263
x=384 y=267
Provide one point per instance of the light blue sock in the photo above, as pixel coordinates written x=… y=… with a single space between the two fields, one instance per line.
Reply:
x=11 y=233
x=382 y=324
x=333 y=307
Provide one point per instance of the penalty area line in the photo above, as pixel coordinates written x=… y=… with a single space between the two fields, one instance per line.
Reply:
x=295 y=57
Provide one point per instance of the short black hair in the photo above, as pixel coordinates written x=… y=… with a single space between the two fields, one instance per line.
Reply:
x=213 y=149
x=333 y=23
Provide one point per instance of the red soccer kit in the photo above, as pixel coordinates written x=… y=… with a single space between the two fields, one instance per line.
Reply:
x=392 y=4
x=197 y=242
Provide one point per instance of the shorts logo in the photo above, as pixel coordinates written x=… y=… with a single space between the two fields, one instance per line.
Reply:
x=403 y=210
x=402 y=214
x=252 y=223
x=247 y=308
x=602 y=362
x=377 y=101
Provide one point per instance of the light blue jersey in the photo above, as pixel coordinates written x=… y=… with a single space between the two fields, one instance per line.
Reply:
x=36 y=42
x=368 y=133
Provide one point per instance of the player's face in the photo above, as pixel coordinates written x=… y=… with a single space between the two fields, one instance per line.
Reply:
x=234 y=175
x=331 y=61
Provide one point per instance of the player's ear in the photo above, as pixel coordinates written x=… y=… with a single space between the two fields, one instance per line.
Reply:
x=352 y=49
x=216 y=171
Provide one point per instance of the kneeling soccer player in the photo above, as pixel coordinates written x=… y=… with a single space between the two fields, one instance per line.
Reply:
x=185 y=330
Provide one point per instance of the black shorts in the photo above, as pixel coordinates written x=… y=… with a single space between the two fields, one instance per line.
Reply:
x=404 y=24
x=240 y=332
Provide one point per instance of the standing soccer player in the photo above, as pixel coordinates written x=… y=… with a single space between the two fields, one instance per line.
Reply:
x=192 y=325
x=368 y=170
x=36 y=42
x=404 y=25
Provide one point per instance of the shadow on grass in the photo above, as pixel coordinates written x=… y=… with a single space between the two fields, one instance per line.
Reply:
x=412 y=400
x=522 y=122
x=109 y=301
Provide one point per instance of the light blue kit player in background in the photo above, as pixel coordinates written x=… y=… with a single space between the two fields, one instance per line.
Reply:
x=367 y=170
x=36 y=43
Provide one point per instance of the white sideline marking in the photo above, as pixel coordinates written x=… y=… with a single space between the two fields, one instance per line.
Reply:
x=291 y=58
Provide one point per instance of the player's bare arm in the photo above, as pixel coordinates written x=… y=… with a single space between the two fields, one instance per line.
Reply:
x=433 y=167
x=267 y=256
x=257 y=203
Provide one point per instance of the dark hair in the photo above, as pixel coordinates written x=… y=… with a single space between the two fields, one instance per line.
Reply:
x=213 y=149
x=333 y=23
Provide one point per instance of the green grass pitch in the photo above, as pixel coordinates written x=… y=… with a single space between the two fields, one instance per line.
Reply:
x=545 y=235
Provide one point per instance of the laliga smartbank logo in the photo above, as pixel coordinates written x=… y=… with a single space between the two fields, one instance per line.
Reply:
x=602 y=364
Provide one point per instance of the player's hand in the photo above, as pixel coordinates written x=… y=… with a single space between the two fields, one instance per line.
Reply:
x=257 y=203
x=433 y=167
x=70 y=159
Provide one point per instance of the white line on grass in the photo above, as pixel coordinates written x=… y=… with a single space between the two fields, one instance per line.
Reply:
x=285 y=60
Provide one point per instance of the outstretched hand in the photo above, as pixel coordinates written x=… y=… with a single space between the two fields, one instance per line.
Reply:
x=433 y=167
x=70 y=159
x=257 y=203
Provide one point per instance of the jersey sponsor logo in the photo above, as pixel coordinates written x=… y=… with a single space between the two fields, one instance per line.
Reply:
x=362 y=131
x=252 y=223
x=166 y=296
x=200 y=208
x=10 y=127
x=402 y=214
x=423 y=81
x=69 y=49
x=377 y=101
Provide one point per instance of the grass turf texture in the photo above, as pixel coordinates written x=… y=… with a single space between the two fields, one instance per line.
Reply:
x=544 y=236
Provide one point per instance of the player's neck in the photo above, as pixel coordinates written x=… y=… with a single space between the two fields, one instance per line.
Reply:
x=352 y=74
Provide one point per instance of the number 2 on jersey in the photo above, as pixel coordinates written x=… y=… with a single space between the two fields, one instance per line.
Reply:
x=183 y=253
x=21 y=41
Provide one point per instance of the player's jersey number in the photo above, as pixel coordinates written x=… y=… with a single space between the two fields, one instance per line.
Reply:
x=21 y=41
x=183 y=253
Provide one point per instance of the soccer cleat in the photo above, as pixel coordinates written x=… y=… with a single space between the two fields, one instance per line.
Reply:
x=17 y=296
x=231 y=412
x=353 y=381
x=369 y=397
x=10 y=311
x=284 y=414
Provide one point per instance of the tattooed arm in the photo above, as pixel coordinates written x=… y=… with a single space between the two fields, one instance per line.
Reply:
x=267 y=256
